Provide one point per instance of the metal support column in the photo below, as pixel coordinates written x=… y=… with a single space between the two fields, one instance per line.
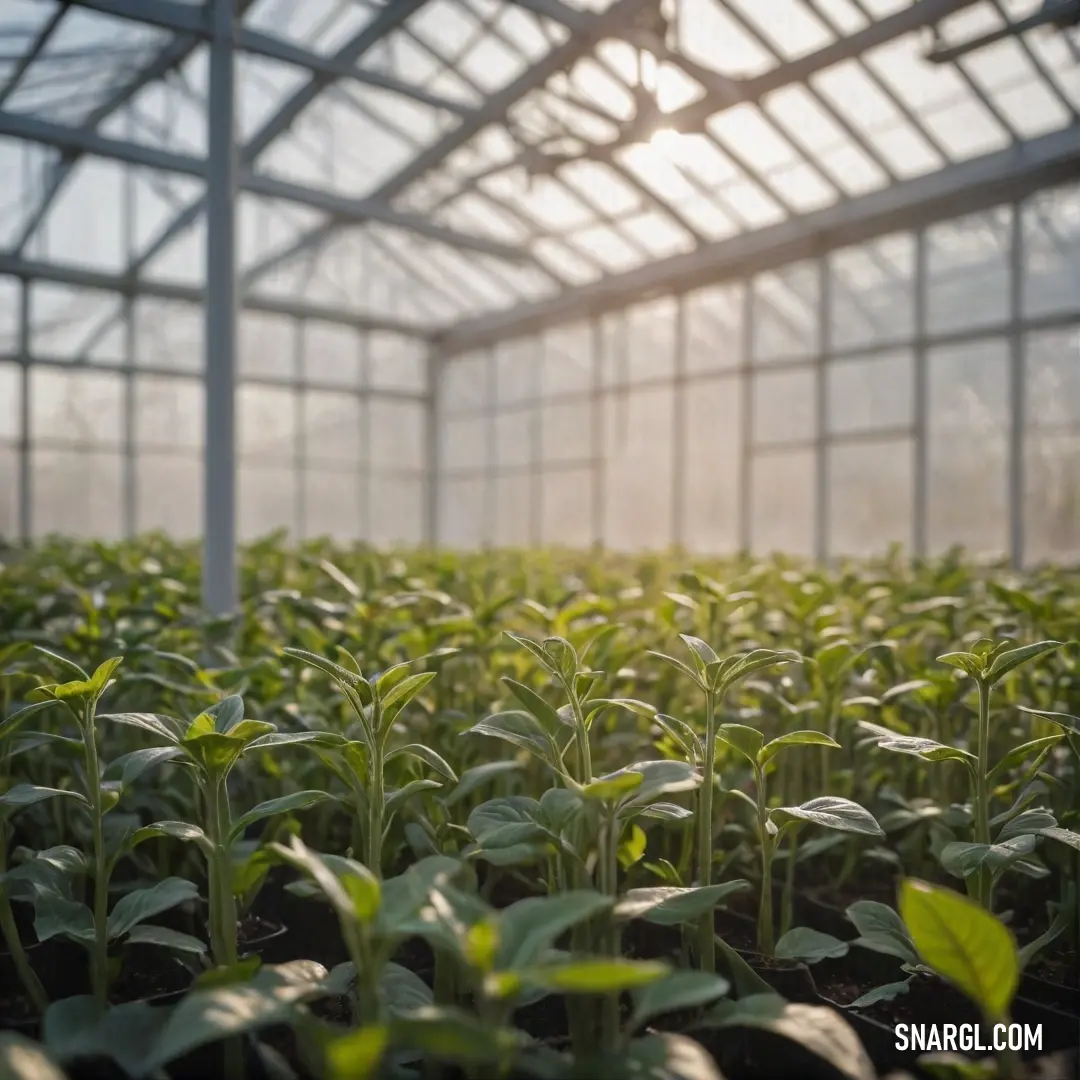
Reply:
x=678 y=434
x=921 y=478
x=746 y=502
x=26 y=472
x=219 y=462
x=1017 y=395
x=821 y=438
x=129 y=507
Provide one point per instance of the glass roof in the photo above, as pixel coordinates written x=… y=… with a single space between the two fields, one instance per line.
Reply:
x=428 y=161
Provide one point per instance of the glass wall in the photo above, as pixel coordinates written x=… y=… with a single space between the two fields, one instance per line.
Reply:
x=101 y=421
x=923 y=388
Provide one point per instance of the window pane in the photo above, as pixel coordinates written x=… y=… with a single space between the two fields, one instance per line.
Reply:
x=786 y=313
x=77 y=492
x=267 y=345
x=785 y=406
x=397 y=434
x=333 y=427
x=10 y=389
x=267 y=423
x=517 y=370
x=866 y=394
x=465 y=383
x=78 y=408
x=332 y=504
x=713 y=437
x=9 y=492
x=967 y=447
x=870 y=496
x=872 y=293
x=514 y=429
x=782 y=502
x=465 y=444
x=714 y=328
x=567 y=364
x=567 y=431
x=396 y=506
x=1052 y=251
x=168 y=494
x=266 y=501
x=513 y=509
x=567 y=508
x=638 y=438
x=168 y=412
x=968 y=271
x=331 y=354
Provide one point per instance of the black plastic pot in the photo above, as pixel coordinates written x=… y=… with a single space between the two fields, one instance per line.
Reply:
x=1065 y=999
x=271 y=944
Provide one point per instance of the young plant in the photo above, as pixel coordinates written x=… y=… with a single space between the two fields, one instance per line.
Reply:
x=361 y=763
x=828 y=811
x=714 y=678
x=968 y=947
x=987 y=664
x=212 y=744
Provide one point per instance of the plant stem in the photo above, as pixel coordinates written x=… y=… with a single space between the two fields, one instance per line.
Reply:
x=787 y=901
x=99 y=956
x=765 y=912
x=584 y=750
x=376 y=801
x=609 y=885
x=982 y=792
x=222 y=903
x=706 y=932
x=31 y=983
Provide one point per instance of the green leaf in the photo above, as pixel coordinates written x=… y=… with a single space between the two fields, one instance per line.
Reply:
x=916 y=745
x=661 y=1056
x=1011 y=659
x=166 y=938
x=700 y=652
x=10 y=724
x=23 y=1059
x=953 y=1066
x=679 y=666
x=1062 y=836
x=830 y=812
x=129 y=767
x=64 y=662
x=882 y=930
x=403 y=990
x=794 y=738
x=1063 y=720
x=966 y=662
x=336 y=672
x=165 y=727
x=100 y=679
x=427 y=756
x=271 y=996
x=352 y=890
x=963 y=943
x=746 y=740
x=676 y=991
x=632 y=848
x=23 y=795
x=964 y=859
x=177 y=830
x=454 y=1036
x=660 y=778
x=816 y=1028
x=402 y=694
x=475 y=778
x=529 y=927
x=614 y=786
x=57 y=916
x=285 y=804
x=396 y=799
x=356 y=1055
x=295 y=738
x=537 y=652
x=520 y=730
x=142 y=904
x=1021 y=753
x=666 y=905
x=810 y=946
x=547 y=714
x=75 y=1029
x=885 y=992
x=506 y=821
x=594 y=976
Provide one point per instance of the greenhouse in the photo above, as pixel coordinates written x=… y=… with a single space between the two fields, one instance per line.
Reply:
x=587 y=491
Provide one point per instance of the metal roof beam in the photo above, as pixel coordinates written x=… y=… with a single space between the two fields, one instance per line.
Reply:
x=86 y=141
x=494 y=109
x=79 y=277
x=956 y=190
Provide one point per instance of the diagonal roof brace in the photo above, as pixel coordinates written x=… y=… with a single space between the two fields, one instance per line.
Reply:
x=66 y=138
